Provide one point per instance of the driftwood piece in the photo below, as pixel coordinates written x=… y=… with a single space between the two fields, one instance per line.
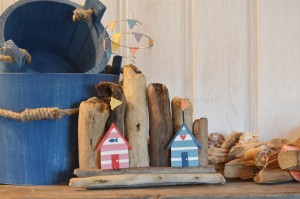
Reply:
x=217 y=155
x=272 y=173
x=91 y=123
x=136 y=121
x=160 y=125
x=289 y=160
x=238 y=151
x=200 y=130
x=177 y=116
x=243 y=168
x=142 y=180
x=82 y=173
x=106 y=90
x=232 y=139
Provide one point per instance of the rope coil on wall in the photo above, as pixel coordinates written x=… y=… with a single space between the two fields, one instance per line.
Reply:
x=28 y=115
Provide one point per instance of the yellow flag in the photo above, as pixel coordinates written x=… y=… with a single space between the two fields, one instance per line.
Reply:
x=114 y=103
x=112 y=25
x=114 y=46
x=117 y=37
x=150 y=42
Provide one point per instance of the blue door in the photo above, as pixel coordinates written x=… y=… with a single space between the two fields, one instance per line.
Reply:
x=184 y=159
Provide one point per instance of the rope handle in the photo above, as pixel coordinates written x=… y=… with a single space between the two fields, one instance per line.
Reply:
x=9 y=59
x=28 y=115
x=83 y=15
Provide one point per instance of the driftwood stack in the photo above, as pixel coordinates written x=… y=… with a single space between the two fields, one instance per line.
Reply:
x=165 y=118
x=244 y=157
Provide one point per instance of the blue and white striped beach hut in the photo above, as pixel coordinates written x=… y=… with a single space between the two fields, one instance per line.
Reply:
x=184 y=149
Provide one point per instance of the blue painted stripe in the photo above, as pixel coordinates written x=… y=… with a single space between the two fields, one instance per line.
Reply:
x=188 y=143
x=192 y=163
x=191 y=153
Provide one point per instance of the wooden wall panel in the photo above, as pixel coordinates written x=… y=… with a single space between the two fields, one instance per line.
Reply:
x=279 y=69
x=222 y=60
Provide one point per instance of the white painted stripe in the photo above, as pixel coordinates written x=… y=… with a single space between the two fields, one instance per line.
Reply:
x=179 y=159
x=187 y=137
x=120 y=141
x=114 y=130
x=114 y=152
x=184 y=148
x=109 y=161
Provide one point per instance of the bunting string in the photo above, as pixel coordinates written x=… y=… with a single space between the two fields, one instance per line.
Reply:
x=115 y=39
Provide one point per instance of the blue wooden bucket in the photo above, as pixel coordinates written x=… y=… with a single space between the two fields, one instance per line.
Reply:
x=45 y=152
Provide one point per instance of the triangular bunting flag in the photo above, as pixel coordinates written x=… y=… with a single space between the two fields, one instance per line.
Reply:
x=112 y=25
x=114 y=46
x=133 y=51
x=150 y=42
x=185 y=104
x=131 y=23
x=114 y=103
x=138 y=36
x=117 y=37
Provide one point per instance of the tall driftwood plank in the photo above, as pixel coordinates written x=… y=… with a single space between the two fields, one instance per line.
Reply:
x=106 y=90
x=142 y=180
x=177 y=116
x=200 y=130
x=136 y=120
x=289 y=160
x=91 y=123
x=160 y=125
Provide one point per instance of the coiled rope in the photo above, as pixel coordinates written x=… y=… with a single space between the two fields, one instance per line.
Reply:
x=83 y=15
x=38 y=114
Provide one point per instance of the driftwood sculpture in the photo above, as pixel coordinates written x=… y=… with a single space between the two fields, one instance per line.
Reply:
x=106 y=90
x=93 y=115
x=200 y=130
x=177 y=116
x=160 y=125
x=136 y=123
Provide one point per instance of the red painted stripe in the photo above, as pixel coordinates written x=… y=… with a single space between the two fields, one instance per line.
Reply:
x=106 y=166
x=114 y=147
x=121 y=157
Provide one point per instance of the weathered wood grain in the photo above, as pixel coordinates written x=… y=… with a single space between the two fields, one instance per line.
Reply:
x=92 y=118
x=177 y=115
x=200 y=130
x=160 y=125
x=136 y=119
x=146 y=180
x=148 y=170
x=289 y=160
x=272 y=173
x=231 y=140
x=106 y=90
x=243 y=168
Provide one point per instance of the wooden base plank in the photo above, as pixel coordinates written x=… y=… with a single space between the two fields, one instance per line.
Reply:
x=145 y=180
x=146 y=170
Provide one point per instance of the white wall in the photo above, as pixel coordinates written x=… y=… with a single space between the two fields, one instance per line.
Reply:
x=238 y=60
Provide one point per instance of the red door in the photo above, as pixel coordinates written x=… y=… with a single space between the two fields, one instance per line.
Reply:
x=115 y=161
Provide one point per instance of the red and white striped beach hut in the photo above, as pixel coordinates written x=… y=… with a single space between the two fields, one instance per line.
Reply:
x=113 y=150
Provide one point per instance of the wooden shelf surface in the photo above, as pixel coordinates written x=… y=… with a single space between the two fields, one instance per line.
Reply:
x=236 y=190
